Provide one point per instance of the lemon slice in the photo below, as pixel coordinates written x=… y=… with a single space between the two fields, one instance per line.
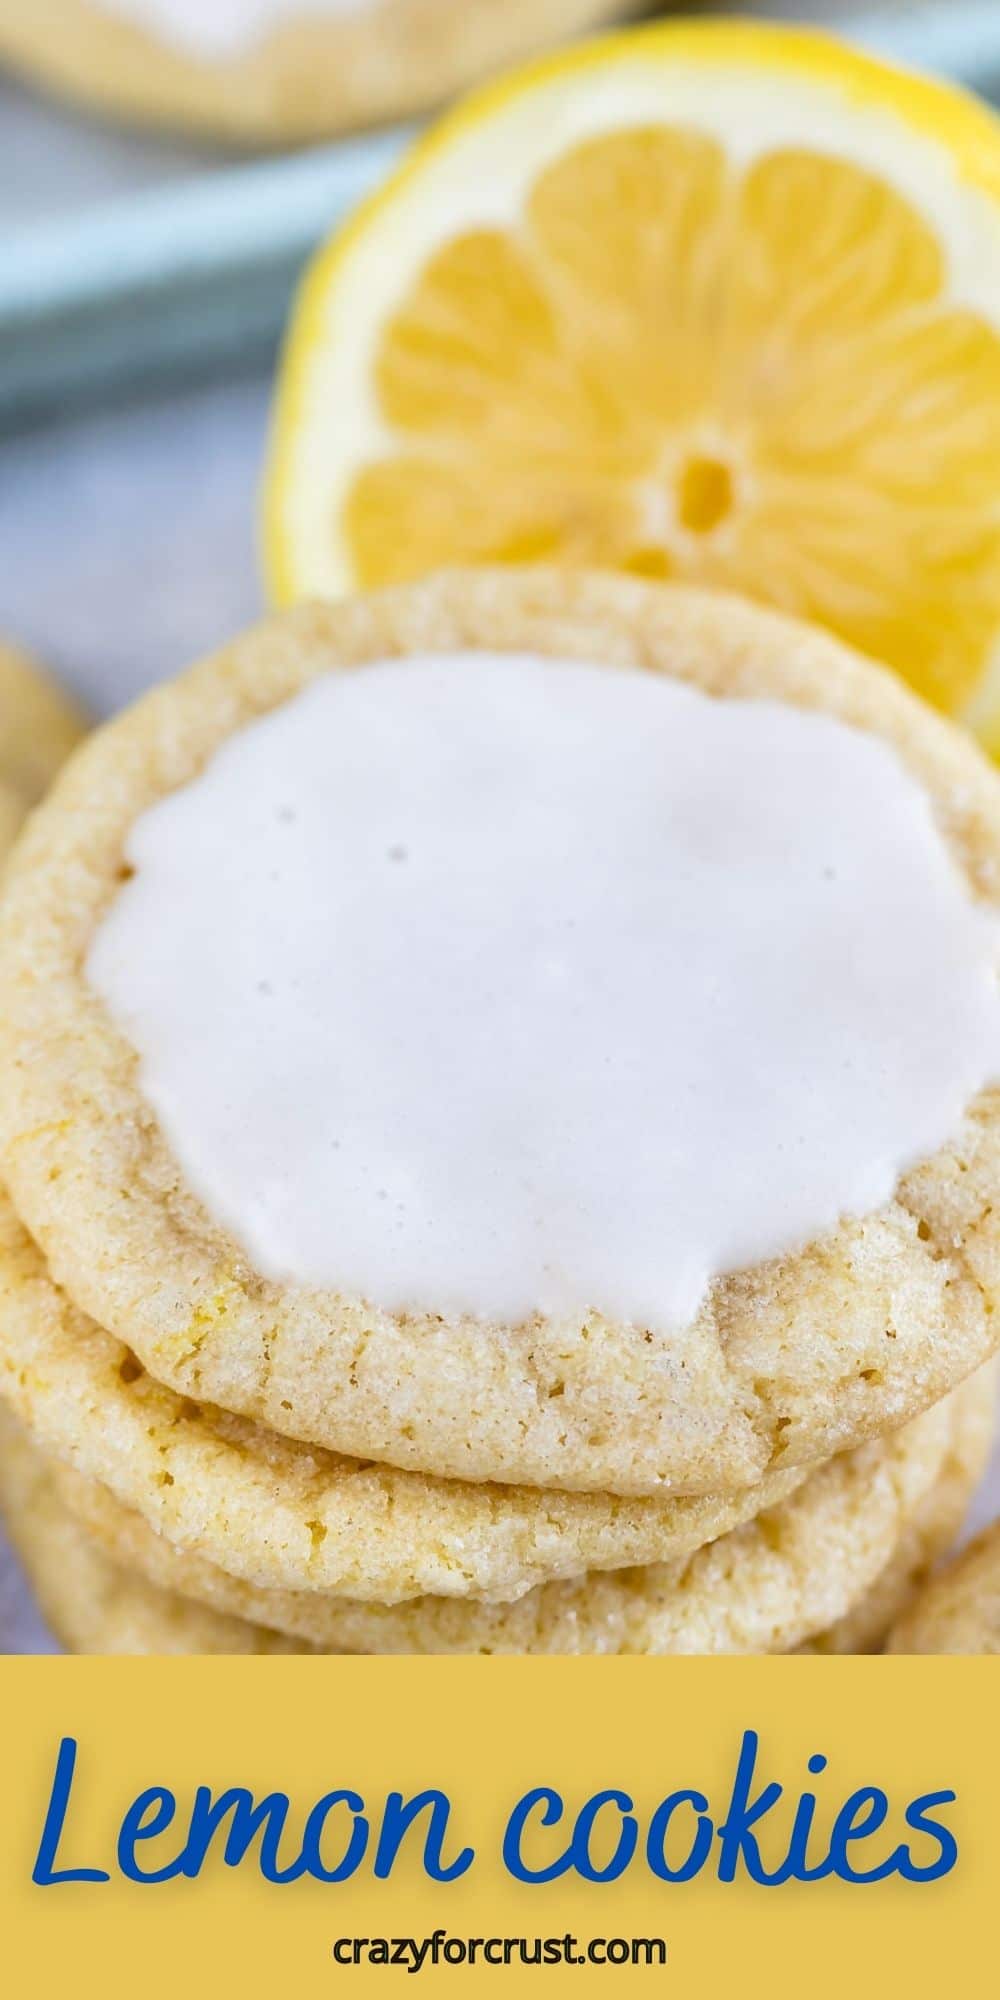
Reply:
x=711 y=301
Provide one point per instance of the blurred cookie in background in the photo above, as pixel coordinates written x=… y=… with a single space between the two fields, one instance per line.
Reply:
x=39 y=726
x=959 y=1611
x=277 y=72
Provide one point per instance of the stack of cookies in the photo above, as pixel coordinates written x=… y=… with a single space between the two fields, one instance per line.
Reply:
x=499 y=1116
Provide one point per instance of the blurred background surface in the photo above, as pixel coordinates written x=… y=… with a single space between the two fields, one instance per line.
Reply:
x=143 y=285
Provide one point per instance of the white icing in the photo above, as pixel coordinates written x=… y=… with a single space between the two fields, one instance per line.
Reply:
x=484 y=984
x=217 y=29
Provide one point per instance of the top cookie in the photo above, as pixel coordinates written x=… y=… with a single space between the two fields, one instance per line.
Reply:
x=959 y=1611
x=275 y=71
x=575 y=1251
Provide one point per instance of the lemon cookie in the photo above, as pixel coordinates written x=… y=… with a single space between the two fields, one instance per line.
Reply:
x=929 y=1534
x=959 y=1611
x=521 y=1026
x=766 y=1587
x=280 y=1514
x=91 y=1605
x=97 y=1606
x=39 y=726
x=276 y=71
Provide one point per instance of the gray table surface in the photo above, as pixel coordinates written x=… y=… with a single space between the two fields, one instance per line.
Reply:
x=127 y=533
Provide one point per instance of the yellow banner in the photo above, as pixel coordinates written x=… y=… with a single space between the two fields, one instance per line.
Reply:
x=176 y=1828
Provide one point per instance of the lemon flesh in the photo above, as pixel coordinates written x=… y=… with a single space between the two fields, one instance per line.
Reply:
x=753 y=342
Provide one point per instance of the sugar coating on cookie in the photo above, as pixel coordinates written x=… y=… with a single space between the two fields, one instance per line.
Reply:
x=99 y=1602
x=766 y=1587
x=90 y=1603
x=783 y=1361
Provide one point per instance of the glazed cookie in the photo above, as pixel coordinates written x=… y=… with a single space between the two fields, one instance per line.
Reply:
x=959 y=1611
x=277 y=71
x=39 y=726
x=764 y=1588
x=279 y=1514
x=929 y=1535
x=91 y=1605
x=558 y=1054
